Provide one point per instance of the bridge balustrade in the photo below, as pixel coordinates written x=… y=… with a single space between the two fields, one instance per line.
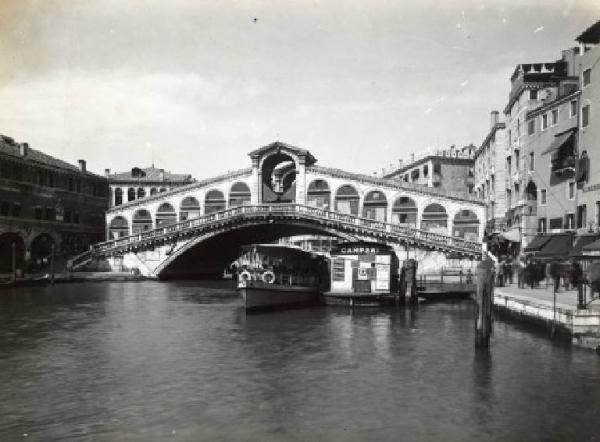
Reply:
x=313 y=212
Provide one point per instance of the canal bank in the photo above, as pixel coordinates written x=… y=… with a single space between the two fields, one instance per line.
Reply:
x=59 y=278
x=537 y=306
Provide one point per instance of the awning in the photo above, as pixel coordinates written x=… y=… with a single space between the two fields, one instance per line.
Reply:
x=583 y=241
x=559 y=246
x=592 y=247
x=561 y=139
x=512 y=235
x=538 y=242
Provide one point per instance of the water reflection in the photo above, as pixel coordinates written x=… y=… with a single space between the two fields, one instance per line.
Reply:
x=137 y=361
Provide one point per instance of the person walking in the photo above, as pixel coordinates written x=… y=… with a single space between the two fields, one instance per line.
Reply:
x=521 y=273
x=555 y=274
x=508 y=272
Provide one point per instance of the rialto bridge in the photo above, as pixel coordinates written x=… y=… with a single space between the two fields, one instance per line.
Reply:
x=199 y=227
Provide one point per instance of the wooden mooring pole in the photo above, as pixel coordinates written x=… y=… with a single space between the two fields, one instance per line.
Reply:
x=485 y=300
x=408 y=283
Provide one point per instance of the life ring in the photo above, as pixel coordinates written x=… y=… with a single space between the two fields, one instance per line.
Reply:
x=268 y=277
x=245 y=276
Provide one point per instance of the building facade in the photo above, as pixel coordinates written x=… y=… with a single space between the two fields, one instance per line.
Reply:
x=588 y=179
x=451 y=168
x=138 y=183
x=45 y=204
x=490 y=174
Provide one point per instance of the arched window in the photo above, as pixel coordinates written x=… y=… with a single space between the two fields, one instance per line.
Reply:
x=239 y=195
x=435 y=218
x=190 y=208
x=318 y=194
x=131 y=194
x=41 y=249
x=466 y=225
x=142 y=221
x=375 y=206
x=165 y=215
x=118 y=228
x=404 y=211
x=118 y=196
x=141 y=193
x=214 y=201
x=153 y=191
x=346 y=200
x=6 y=252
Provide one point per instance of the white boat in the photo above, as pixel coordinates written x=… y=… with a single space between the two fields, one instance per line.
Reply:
x=272 y=275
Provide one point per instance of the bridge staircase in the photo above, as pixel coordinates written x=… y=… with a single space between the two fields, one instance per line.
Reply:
x=349 y=225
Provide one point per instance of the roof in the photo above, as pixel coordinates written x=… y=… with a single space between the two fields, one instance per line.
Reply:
x=591 y=34
x=279 y=145
x=9 y=147
x=150 y=174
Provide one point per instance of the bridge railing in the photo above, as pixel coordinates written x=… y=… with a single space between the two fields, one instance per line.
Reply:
x=310 y=211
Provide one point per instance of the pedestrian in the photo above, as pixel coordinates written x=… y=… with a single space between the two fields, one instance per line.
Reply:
x=530 y=273
x=540 y=273
x=508 y=272
x=555 y=273
x=548 y=275
x=521 y=272
x=500 y=273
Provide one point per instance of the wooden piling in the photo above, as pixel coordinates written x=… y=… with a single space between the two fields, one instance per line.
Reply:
x=408 y=282
x=485 y=300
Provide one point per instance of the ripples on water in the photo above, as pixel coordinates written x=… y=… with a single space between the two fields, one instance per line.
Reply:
x=175 y=361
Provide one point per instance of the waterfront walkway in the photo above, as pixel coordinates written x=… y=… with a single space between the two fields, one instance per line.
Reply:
x=565 y=299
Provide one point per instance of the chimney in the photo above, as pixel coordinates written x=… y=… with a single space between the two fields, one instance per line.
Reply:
x=23 y=149
x=107 y=172
x=161 y=174
x=81 y=165
x=494 y=118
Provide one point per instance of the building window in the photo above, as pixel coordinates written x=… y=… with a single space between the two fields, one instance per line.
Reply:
x=533 y=94
x=556 y=223
x=49 y=213
x=571 y=190
x=4 y=208
x=554 y=117
x=531 y=161
x=542 y=225
x=78 y=186
x=581 y=216
x=586 y=77
x=67 y=217
x=597 y=213
x=569 y=221
x=425 y=170
x=71 y=185
x=517 y=159
x=76 y=217
x=544 y=121
x=531 y=127
x=437 y=168
x=16 y=210
x=573 y=108
x=543 y=197
x=585 y=115
x=37 y=212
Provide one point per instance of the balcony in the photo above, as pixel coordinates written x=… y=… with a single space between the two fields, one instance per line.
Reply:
x=563 y=166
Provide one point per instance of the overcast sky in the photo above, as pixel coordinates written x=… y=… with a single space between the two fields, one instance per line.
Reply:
x=195 y=85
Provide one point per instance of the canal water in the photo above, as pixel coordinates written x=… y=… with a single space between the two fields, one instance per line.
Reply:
x=155 y=361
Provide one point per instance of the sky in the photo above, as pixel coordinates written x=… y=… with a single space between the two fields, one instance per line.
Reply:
x=193 y=86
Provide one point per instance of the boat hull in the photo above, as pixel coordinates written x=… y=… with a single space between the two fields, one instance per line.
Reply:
x=264 y=296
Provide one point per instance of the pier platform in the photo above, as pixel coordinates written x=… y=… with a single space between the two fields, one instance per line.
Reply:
x=536 y=306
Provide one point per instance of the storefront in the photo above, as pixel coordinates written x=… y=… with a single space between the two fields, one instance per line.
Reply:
x=363 y=267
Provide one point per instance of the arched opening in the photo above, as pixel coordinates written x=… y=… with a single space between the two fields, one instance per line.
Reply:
x=319 y=195
x=41 y=251
x=278 y=179
x=404 y=211
x=214 y=201
x=118 y=196
x=131 y=194
x=153 y=191
x=346 y=200
x=141 y=193
x=375 y=206
x=118 y=227
x=531 y=194
x=163 y=189
x=190 y=208
x=6 y=252
x=239 y=195
x=142 y=221
x=165 y=215
x=466 y=225
x=435 y=218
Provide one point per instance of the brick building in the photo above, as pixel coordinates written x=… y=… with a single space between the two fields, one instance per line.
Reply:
x=45 y=201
